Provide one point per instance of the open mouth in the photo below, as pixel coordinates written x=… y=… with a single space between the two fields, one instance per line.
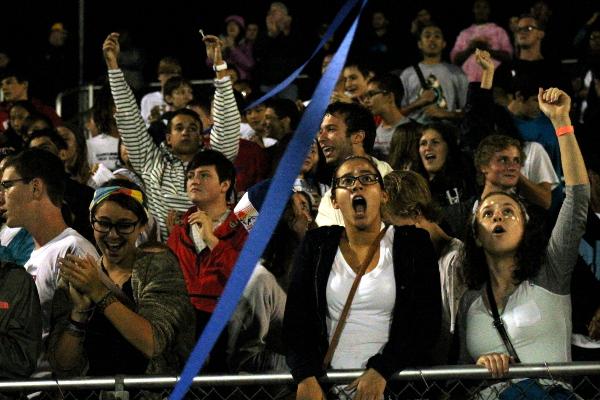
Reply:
x=327 y=150
x=430 y=157
x=498 y=229
x=359 y=204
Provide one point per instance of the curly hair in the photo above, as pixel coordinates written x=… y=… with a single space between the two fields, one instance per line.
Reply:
x=529 y=255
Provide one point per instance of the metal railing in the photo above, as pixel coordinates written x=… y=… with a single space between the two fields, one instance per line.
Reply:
x=458 y=381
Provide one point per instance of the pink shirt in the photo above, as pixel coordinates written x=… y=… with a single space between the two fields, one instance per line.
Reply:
x=494 y=35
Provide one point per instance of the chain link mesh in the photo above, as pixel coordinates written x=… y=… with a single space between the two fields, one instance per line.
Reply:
x=584 y=387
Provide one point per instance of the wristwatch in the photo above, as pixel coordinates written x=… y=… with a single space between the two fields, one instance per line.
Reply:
x=220 y=67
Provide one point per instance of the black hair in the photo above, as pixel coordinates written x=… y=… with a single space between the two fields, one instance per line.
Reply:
x=103 y=111
x=80 y=166
x=361 y=66
x=350 y=158
x=25 y=104
x=51 y=134
x=125 y=201
x=357 y=118
x=285 y=108
x=38 y=163
x=184 y=111
x=392 y=84
x=539 y=24
x=224 y=167
x=529 y=255
x=11 y=71
x=173 y=83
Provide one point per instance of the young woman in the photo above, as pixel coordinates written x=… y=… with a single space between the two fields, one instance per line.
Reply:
x=128 y=315
x=395 y=314
x=76 y=160
x=451 y=179
x=529 y=284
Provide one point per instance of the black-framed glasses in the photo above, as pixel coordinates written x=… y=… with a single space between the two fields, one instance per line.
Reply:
x=123 y=228
x=348 y=181
x=372 y=93
x=528 y=28
x=7 y=184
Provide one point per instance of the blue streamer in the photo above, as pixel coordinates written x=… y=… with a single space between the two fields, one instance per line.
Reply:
x=339 y=18
x=275 y=201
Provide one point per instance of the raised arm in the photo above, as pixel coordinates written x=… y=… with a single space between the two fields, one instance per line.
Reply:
x=132 y=128
x=225 y=133
x=570 y=225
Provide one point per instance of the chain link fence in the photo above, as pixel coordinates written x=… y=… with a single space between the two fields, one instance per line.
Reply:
x=579 y=380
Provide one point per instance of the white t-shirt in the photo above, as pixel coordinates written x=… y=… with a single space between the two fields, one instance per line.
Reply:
x=43 y=266
x=103 y=149
x=8 y=234
x=383 y=138
x=149 y=101
x=538 y=167
x=368 y=323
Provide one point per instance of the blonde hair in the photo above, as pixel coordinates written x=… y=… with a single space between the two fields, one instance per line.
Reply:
x=408 y=196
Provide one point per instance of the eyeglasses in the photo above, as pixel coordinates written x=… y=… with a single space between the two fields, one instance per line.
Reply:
x=5 y=185
x=349 y=180
x=124 y=228
x=373 y=93
x=528 y=28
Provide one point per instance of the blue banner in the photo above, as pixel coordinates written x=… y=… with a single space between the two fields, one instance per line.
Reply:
x=275 y=201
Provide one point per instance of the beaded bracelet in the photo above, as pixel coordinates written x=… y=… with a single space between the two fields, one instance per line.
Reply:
x=106 y=301
x=564 y=130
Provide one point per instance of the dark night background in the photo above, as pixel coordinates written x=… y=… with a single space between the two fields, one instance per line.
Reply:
x=171 y=27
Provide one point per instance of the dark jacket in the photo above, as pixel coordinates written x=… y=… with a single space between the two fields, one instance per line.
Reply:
x=417 y=309
x=20 y=323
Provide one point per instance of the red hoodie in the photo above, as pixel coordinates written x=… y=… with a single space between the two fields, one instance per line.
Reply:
x=207 y=272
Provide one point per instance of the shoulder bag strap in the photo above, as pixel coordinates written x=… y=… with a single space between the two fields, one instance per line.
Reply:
x=421 y=77
x=499 y=324
x=361 y=271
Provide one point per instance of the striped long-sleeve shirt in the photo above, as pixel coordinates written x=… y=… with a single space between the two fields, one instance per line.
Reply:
x=163 y=172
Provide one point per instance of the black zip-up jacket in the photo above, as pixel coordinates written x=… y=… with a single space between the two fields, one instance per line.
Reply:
x=20 y=323
x=417 y=309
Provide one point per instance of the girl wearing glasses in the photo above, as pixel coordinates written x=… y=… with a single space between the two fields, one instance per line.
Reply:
x=395 y=313
x=128 y=315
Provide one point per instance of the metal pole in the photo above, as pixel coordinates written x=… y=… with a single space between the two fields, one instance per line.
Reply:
x=436 y=373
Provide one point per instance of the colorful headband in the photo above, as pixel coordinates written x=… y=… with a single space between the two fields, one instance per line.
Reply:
x=104 y=193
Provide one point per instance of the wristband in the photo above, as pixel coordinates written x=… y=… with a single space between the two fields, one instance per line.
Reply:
x=106 y=301
x=220 y=67
x=564 y=130
x=76 y=328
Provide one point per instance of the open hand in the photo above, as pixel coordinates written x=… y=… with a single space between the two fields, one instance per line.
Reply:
x=82 y=275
